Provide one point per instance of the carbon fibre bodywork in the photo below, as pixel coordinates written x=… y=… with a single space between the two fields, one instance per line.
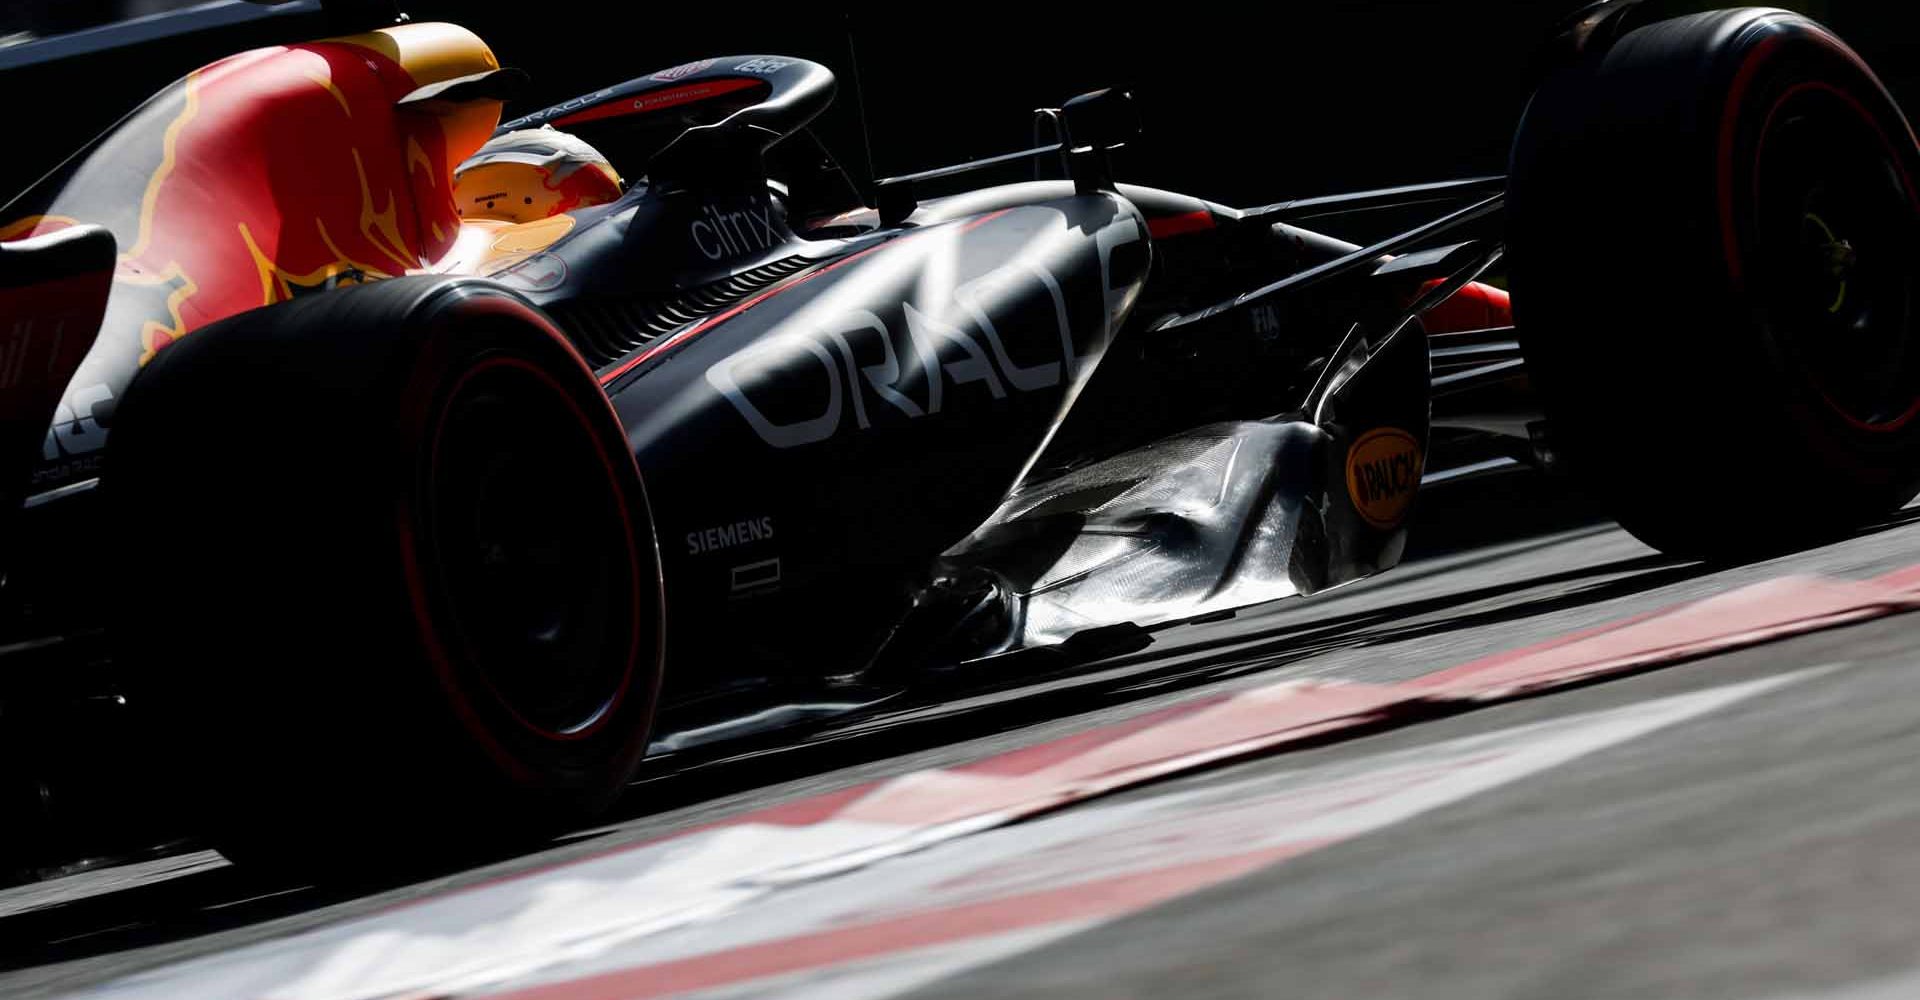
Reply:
x=957 y=437
x=877 y=442
x=949 y=439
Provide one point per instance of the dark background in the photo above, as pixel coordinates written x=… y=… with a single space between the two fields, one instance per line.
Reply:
x=1243 y=104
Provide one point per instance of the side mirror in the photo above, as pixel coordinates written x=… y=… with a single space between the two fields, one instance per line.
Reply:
x=1095 y=123
x=1102 y=119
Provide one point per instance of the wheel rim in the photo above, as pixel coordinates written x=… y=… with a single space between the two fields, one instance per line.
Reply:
x=1836 y=230
x=526 y=524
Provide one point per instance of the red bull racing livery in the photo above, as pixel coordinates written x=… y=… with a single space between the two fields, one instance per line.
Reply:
x=389 y=468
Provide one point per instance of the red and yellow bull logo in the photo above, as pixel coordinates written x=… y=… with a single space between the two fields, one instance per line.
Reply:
x=279 y=171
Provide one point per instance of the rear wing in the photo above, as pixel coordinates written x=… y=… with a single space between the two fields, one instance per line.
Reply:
x=53 y=295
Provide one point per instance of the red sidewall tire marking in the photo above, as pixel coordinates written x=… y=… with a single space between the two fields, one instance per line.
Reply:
x=1906 y=181
x=1729 y=135
x=636 y=574
x=416 y=413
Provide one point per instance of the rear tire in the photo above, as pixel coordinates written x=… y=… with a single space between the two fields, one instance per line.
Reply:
x=1716 y=245
x=392 y=587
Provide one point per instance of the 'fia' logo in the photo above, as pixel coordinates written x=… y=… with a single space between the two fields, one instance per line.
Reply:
x=1266 y=322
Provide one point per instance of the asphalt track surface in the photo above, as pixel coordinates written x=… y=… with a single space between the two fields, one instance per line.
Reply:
x=1737 y=825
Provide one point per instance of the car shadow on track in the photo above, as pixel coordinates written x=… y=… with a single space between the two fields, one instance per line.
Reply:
x=1514 y=511
x=212 y=898
x=151 y=913
x=166 y=915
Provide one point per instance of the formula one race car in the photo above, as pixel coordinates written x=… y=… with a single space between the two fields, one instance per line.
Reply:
x=422 y=472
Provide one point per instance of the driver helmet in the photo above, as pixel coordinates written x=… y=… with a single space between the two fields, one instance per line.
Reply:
x=532 y=174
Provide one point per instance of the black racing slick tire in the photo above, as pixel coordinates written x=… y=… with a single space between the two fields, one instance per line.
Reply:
x=392 y=588
x=1715 y=237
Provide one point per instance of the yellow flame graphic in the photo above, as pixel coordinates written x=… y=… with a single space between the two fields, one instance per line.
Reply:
x=381 y=227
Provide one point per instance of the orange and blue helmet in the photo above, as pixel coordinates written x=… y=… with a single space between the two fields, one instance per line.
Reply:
x=533 y=174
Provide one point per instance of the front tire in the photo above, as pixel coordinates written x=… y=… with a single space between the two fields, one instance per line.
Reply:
x=391 y=582
x=1715 y=225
